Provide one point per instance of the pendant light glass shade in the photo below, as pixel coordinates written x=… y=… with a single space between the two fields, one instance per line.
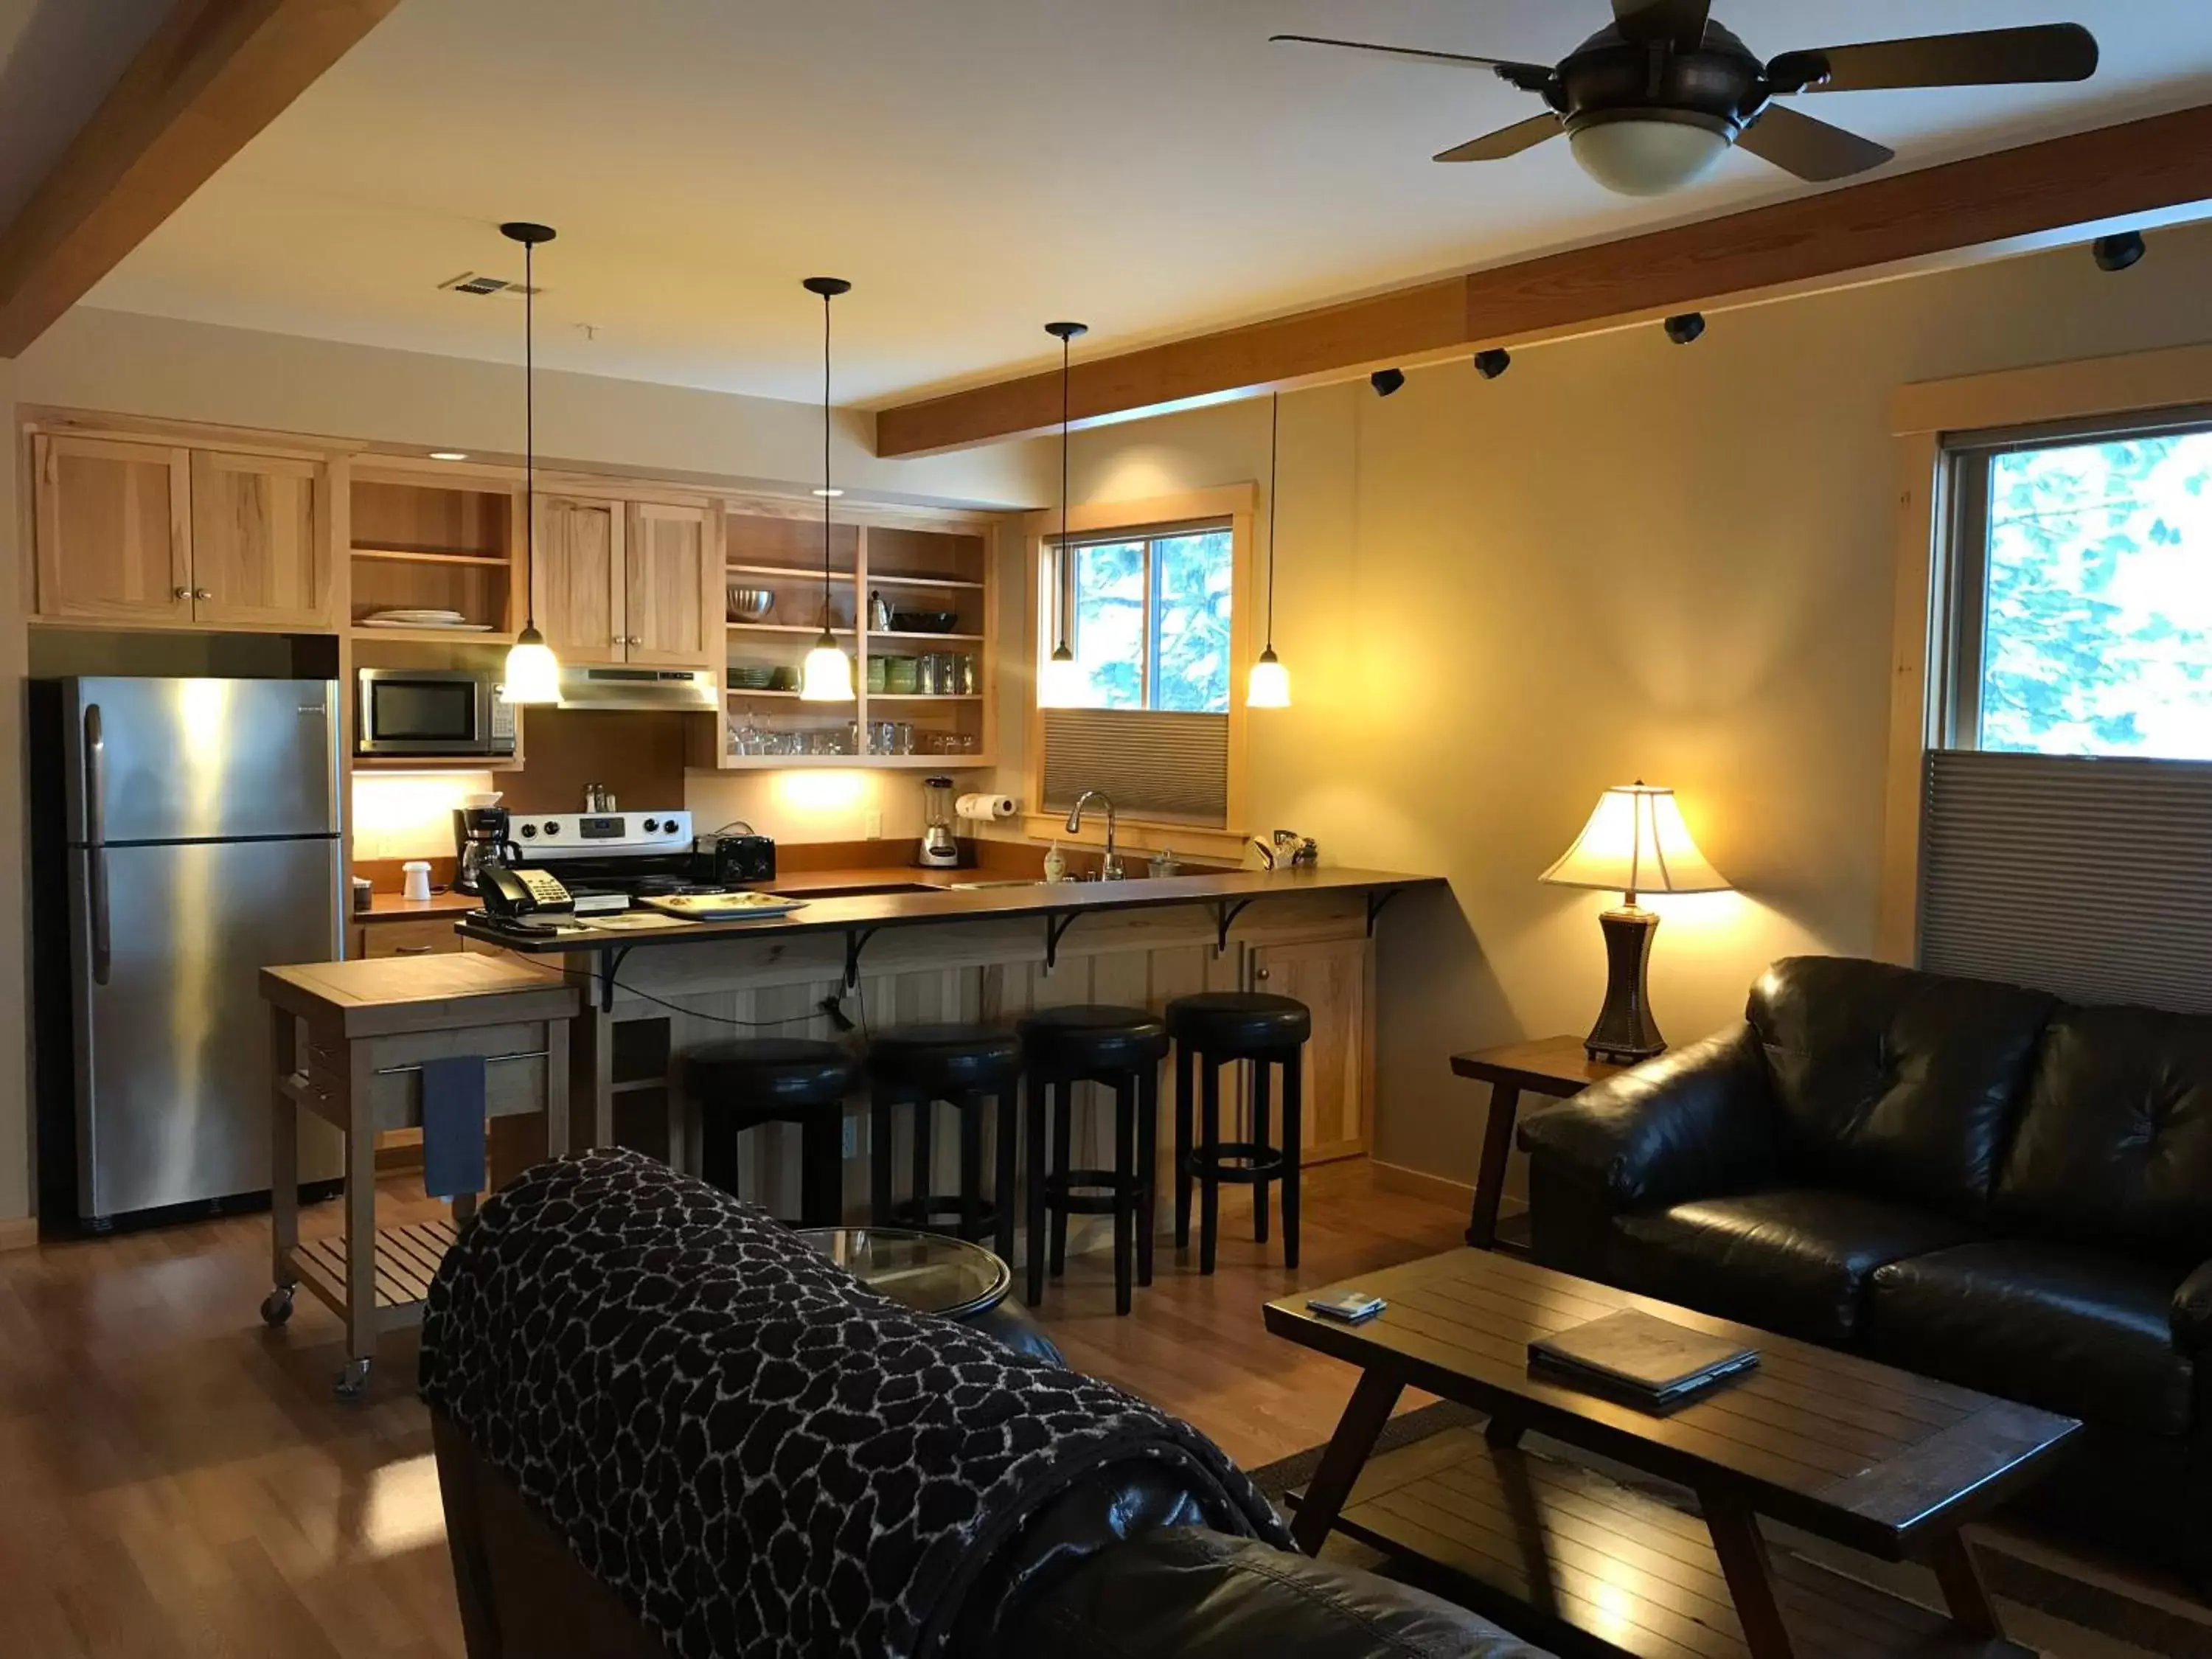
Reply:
x=1063 y=683
x=827 y=674
x=533 y=673
x=1269 y=683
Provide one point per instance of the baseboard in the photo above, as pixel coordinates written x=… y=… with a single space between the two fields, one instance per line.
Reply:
x=19 y=1234
x=1397 y=1178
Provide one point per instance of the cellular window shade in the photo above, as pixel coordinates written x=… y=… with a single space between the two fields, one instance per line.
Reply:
x=2089 y=879
x=1168 y=767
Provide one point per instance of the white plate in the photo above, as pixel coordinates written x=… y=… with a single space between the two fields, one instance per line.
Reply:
x=403 y=613
x=435 y=627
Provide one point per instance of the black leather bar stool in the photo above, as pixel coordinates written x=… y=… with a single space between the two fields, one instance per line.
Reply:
x=1121 y=1049
x=742 y=1085
x=975 y=1069
x=1210 y=1031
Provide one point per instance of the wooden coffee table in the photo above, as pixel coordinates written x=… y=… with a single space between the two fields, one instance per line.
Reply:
x=1862 y=1455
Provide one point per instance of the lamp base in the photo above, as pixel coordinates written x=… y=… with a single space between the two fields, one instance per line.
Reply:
x=1625 y=1032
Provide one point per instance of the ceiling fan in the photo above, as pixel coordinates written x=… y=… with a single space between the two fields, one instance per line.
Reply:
x=1652 y=101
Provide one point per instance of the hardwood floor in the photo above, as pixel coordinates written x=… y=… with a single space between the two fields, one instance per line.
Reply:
x=177 y=1480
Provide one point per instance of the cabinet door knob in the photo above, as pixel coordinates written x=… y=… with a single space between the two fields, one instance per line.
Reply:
x=182 y=592
x=1261 y=973
x=201 y=593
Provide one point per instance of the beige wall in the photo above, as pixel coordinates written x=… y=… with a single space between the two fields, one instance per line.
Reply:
x=1625 y=559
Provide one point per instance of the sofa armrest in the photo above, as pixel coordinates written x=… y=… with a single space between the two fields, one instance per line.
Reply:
x=1690 y=1124
x=2193 y=1313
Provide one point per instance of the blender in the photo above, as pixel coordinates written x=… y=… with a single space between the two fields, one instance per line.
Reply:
x=940 y=848
x=480 y=840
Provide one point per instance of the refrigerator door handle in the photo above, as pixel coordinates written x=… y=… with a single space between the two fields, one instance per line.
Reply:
x=95 y=835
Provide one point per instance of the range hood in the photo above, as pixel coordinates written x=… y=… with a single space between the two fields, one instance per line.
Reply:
x=685 y=690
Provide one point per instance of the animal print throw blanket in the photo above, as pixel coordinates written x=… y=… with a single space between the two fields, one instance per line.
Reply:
x=759 y=1454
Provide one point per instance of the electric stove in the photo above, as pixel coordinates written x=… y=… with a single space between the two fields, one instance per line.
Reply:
x=607 y=859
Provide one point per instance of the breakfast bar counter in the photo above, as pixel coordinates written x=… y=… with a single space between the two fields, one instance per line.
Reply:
x=875 y=947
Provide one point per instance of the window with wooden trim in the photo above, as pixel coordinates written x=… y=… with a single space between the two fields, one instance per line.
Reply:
x=1151 y=598
x=2066 y=809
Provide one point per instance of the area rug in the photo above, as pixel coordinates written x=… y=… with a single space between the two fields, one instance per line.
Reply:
x=2067 y=1607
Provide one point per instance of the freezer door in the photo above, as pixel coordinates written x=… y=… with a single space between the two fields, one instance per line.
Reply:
x=173 y=1081
x=201 y=760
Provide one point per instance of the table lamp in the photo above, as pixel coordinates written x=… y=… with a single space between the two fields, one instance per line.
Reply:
x=1635 y=843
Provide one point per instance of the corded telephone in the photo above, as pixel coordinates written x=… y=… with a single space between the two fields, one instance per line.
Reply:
x=522 y=892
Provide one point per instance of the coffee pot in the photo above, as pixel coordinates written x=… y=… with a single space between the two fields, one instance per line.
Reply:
x=481 y=841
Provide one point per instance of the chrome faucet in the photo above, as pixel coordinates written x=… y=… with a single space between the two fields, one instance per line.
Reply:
x=1109 y=868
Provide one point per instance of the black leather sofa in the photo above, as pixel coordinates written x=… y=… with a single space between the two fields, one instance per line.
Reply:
x=1970 y=1179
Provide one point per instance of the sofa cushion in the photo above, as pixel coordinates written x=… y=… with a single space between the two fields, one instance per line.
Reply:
x=2114 y=1146
x=1795 y=1261
x=2068 y=1329
x=1892 y=1083
x=1197 y=1595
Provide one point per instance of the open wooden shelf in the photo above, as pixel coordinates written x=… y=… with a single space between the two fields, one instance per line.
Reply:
x=781 y=628
x=420 y=556
x=894 y=633
x=924 y=697
x=884 y=578
x=437 y=763
x=786 y=573
x=442 y=636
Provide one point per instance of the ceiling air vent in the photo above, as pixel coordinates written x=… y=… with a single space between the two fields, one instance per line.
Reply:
x=471 y=282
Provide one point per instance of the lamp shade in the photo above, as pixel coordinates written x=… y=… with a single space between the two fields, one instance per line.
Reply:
x=827 y=674
x=1637 y=843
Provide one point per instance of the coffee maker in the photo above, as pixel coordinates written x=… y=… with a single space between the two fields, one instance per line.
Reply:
x=481 y=839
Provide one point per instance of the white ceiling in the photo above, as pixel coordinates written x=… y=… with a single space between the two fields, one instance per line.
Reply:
x=976 y=167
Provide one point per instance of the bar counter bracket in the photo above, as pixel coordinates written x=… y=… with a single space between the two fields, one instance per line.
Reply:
x=1056 y=924
x=610 y=960
x=1224 y=918
x=856 y=940
x=1376 y=898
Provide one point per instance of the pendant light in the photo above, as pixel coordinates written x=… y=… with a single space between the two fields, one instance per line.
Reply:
x=533 y=674
x=1270 y=686
x=827 y=675
x=1062 y=685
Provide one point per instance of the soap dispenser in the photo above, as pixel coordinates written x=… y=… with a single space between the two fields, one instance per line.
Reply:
x=1056 y=864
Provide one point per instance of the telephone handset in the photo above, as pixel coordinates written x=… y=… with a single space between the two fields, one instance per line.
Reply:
x=522 y=892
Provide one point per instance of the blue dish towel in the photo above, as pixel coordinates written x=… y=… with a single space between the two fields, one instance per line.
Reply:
x=453 y=1125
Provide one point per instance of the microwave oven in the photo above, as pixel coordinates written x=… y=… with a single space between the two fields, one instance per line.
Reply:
x=433 y=712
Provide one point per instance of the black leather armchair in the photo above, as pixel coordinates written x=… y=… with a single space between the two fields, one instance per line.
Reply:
x=1973 y=1180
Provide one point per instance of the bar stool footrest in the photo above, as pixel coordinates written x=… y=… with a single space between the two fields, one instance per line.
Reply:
x=941 y=1213
x=1254 y=1162
x=1091 y=1192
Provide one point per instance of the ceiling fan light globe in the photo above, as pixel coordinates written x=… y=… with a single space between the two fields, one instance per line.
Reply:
x=1637 y=157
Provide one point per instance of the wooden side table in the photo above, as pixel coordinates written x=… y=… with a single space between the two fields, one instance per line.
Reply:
x=1556 y=1066
x=370 y=1026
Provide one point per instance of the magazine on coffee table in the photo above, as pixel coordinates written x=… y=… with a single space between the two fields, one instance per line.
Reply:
x=1635 y=1356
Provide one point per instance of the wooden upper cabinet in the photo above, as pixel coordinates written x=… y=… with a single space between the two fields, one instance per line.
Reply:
x=114 y=531
x=672 y=586
x=260 y=557
x=577 y=577
x=1333 y=977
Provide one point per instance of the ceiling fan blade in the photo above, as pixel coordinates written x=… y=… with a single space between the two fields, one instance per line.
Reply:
x=1680 y=23
x=1812 y=149
x=1506 y=140
x=1404 y=51
x=1991 y=58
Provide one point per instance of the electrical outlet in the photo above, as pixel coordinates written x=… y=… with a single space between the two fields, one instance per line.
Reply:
x=875 y=826
x=852 y=1136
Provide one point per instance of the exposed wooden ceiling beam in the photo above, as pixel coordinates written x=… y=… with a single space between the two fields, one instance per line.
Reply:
x=2142 y=166
x=213 y=75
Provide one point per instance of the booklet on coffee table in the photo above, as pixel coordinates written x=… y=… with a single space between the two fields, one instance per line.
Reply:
x=1647 y=1360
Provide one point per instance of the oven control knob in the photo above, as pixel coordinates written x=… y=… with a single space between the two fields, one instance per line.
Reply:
x=652 y=824
x=529 y=831
x=551 y=828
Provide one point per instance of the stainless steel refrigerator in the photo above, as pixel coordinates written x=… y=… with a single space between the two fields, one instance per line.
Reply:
x=198 y=841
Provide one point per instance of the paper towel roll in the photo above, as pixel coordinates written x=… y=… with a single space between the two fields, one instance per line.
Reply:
x=985 y=807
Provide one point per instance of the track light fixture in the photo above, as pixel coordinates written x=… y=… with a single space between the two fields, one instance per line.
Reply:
x=1387 y=380
x=1493 y=362
x=1687 y=329
x=2117 y=252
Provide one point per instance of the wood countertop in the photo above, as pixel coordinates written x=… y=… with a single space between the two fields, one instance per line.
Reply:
x=390 y=906
x=950 y=903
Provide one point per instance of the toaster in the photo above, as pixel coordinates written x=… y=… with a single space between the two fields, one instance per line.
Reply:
x=733 y=860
